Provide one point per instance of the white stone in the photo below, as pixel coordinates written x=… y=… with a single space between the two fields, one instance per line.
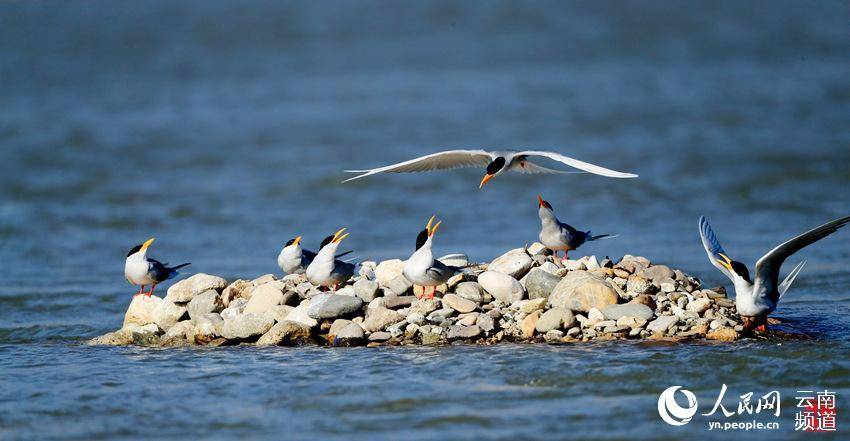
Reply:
x=140 y=311
x=501 y=286
x=514 y=263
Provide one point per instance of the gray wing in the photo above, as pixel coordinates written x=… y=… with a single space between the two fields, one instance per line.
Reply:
x=767 y=268
x=158 y=271
x=531 y=168
x=436 y=161
x=443 y=271
x=712 y=246
x=581 y=165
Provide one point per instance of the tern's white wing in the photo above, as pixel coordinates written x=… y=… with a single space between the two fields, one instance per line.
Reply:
x=529 y=167
x=712 y=246
x=581 y=165
x=767 y=268
x=435 y=161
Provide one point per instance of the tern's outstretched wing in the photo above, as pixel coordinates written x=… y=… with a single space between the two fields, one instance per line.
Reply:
x=435 y=161
x=712 y=246
x=767 y=268
x=529 y=167
x=581 y=165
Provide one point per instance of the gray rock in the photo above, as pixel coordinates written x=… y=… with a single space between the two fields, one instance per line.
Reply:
x=338 y=325
x=469 y=291
x=485 y=322
x=246 y=326
x=638 y=284
x=181 y=334
x=380 y=336
x=205 y=303
x=540 y=283
x=553 y=335
x=166 y=314
x=463 y=332
x=514 y=263
x=351 y=335
x=424 y=306
x=399 y=286
x=662 y=324
x=555 y=318
x=184 y=290
x=501 y=286
x=458 y=303
x=581 y=291
x=396 y=301
x=698 y=306
x=657 y=273
x=326 y=306
x=615 y=312
x=285 y=333
x=416 y=318
x=208 y=327
x=366 y=289
x=346 y=291
x=121 y=337
x=440 y=315
x=299 y=314
x=379 y=318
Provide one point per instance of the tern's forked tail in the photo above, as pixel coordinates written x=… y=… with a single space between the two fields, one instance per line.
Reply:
x=600 y=236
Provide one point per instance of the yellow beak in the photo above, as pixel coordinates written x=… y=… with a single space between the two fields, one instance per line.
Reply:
x=434 y=229
x=297 y=240
x=428 y=225
x=338 y=236
x=727 y=262
x=484 y=180
x=147 y=244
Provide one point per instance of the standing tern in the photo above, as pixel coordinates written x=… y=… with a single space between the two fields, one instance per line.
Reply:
x=294 y=260
x=754 y=300
x=325 y=270
x=139 y=269
x=497 y=162
x=558 y=236
x=421 y=268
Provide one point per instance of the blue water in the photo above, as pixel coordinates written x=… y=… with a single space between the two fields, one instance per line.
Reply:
x=222 y=130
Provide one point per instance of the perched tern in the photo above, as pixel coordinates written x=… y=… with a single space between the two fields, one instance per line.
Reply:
x=294 y=260
x=139 y=269
x=421 y=268
x=558 y=236
x=325 y=269
x=754 y=300
x=497 y=162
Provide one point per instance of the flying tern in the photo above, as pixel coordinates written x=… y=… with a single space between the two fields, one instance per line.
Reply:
x=421 y=268
x=139 y=269
x=294 y=260
x=325 y=269
x=558 y=236
x=497 y=162
x=754 y=300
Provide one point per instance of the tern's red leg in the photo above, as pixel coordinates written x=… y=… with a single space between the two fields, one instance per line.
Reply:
x=153 y=287
x=762 y=328
x=141 y=288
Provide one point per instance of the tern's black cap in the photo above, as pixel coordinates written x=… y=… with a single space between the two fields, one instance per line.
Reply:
x=421 y=238
x=495 y=166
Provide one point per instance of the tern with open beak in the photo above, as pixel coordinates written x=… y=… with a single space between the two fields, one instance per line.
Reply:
x=497 y=162
x=558 y=236
x=294 y=260
x=141 y=270
x=754 y=300
x=421 y=268
x=325 y=269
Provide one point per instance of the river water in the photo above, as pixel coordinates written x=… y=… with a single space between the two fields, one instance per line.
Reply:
x=222 y=129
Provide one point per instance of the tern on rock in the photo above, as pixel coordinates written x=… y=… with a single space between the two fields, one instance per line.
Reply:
x=497 y=162
x=294 y=260
x=754 y=300
x=325 y=269
x=139 y=269
x=558 y=236
x=421 y=268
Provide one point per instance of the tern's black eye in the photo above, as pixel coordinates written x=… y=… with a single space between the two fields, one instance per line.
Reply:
x=741 y=270
x=327 y=240
x=421 y=238
x=134 y=250
x=291 y=241
x=495 y=166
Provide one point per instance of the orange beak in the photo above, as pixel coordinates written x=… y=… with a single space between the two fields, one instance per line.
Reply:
x=484 y=180
x=539 y=201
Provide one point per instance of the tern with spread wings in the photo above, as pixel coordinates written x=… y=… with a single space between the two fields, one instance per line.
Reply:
x=497 y=162
x=754 y=300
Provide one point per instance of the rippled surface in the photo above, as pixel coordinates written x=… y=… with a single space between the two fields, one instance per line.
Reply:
x=222 y=130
